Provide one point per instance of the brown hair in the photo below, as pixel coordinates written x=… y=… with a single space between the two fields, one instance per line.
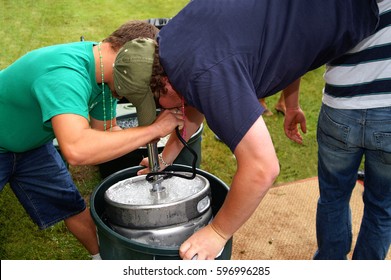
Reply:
x=157 y=84
x=131 y=30
x=134 y=29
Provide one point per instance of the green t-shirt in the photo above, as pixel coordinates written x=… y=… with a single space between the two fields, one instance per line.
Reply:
x=44 y=83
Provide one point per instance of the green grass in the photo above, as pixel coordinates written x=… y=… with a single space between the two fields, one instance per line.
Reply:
x=29 y=24
x=26 y=25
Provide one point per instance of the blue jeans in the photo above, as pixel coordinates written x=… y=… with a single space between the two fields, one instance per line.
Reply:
x=42 y=184
x=345 y=137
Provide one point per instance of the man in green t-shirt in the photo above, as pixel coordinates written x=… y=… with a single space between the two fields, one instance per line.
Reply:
x=68 y=92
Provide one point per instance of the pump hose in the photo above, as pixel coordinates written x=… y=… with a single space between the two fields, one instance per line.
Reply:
x=168 y=174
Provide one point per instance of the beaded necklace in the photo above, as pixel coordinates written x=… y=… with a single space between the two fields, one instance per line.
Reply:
x=103 y=92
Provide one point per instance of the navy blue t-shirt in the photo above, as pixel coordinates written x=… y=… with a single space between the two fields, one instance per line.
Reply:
x=223 y=55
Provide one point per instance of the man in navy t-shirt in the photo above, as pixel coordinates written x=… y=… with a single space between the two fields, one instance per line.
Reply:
x=222 y=56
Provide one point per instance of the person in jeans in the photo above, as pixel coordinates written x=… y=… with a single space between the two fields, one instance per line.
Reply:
x=355 y=124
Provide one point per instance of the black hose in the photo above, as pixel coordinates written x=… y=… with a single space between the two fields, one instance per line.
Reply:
x=168 y=174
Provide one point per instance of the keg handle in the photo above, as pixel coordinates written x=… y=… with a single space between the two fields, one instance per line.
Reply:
x=167 y=174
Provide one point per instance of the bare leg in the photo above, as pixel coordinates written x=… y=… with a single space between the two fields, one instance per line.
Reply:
x=267 y=112
x=83 y=228
x=280 y=106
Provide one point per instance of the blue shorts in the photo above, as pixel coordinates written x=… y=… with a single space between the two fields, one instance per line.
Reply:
x=42 y=183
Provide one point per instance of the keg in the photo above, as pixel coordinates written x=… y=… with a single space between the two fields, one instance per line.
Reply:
x=121 y=239
x=164 y=218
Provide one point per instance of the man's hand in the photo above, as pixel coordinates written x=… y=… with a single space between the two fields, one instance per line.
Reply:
x=294 y=116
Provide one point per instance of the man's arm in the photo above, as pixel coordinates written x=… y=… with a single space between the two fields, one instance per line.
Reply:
x=257 y=168
x=293 y=115
x=82 y=145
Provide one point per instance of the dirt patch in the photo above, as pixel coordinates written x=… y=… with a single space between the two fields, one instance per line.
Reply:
x=283 y=226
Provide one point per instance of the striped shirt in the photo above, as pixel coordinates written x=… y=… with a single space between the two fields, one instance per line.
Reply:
x=361 y=79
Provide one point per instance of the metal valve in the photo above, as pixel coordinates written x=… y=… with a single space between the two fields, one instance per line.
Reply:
x=154 y=166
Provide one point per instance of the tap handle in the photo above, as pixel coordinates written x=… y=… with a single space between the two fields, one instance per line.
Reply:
x=153 y=157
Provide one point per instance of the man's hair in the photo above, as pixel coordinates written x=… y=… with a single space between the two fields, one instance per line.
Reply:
x=131 y=30
x=135 y=29
x=157 y=84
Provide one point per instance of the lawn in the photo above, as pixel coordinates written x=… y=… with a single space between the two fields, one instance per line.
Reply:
x=26 y=25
